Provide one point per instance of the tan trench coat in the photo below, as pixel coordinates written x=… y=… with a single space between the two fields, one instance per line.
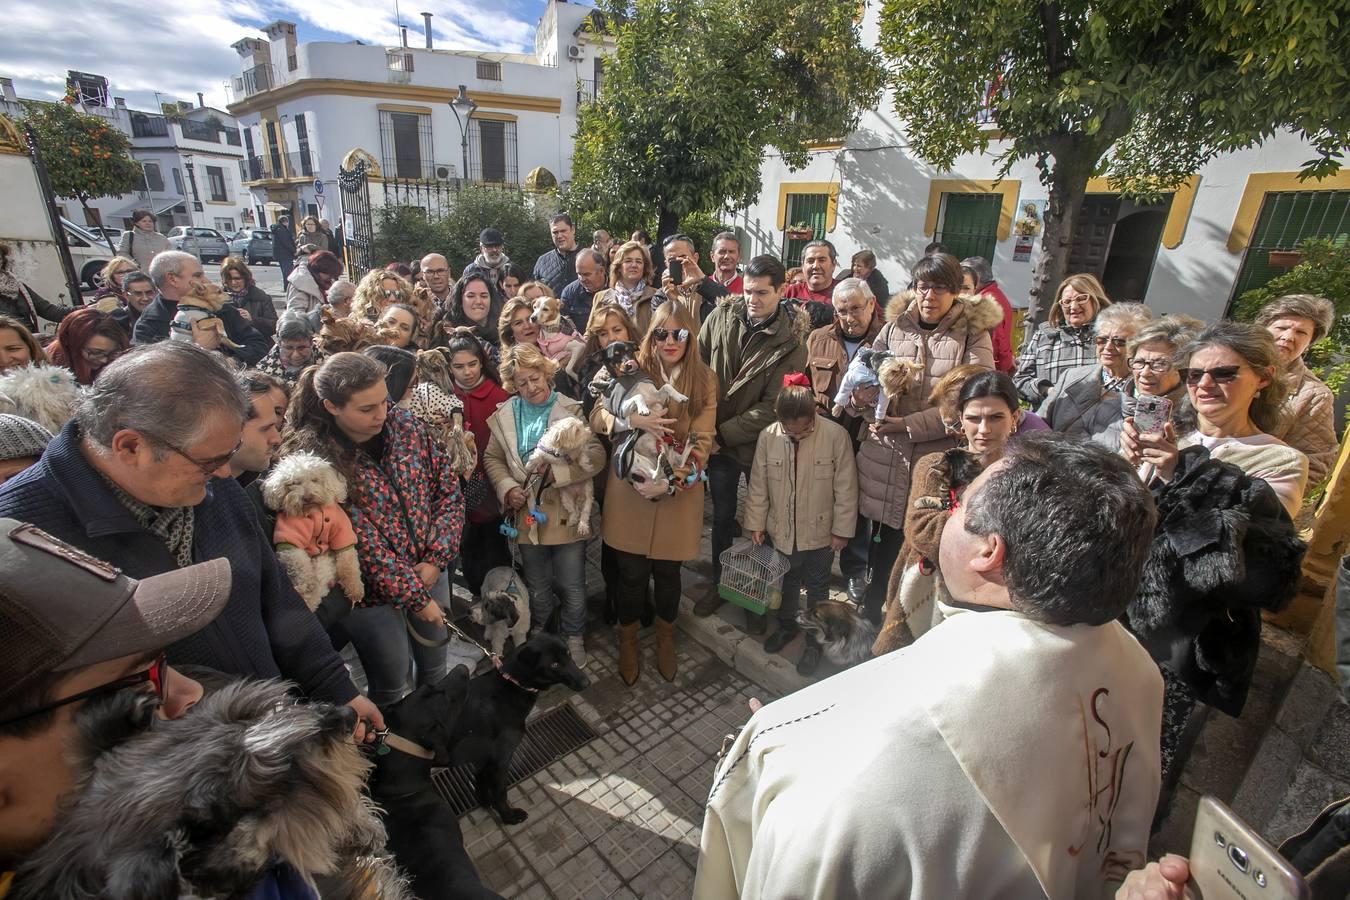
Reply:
x=803 y=494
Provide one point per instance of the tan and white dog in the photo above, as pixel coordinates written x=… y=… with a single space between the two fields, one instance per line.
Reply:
x=556 y=344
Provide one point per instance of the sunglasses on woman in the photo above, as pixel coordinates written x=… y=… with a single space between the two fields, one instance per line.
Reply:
x=1117 y=342
x=1220 y=374
x=679 y=334
x=156 y=675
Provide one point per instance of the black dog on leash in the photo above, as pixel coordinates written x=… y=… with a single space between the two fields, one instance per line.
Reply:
x=424 y=834
x=492 y=722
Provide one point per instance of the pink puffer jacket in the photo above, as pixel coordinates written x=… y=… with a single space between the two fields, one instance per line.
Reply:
x=961 y=337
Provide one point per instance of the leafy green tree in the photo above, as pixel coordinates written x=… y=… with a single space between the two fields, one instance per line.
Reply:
x=407 y=232
x=1324 y=271
x=698 y=89
x=86 y=158
x=1143 y=91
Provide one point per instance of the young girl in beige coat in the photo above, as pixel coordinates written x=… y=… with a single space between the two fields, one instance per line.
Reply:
x=804 y=500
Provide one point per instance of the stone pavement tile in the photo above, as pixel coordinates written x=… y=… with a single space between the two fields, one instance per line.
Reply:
x=629 y=848
x=676 y=756
x=698 y=783
x=1268 y=778
x=1306 y=704
x=1331 y=745
x=506 y=871
x=669 y=877
x=482 y=832
x=548 y=841
x=584 y=876
x=702 y=728
x=1310 y=791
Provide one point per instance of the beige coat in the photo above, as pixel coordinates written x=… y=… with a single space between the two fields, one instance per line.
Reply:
x=506 y=470
x=669 y=528
x=1308 y=421
x=961 y=337
x=803 y=493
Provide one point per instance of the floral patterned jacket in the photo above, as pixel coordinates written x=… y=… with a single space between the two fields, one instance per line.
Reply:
x=406 y=509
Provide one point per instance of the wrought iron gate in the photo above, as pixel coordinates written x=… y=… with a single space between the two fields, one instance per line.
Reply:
x=358 y=227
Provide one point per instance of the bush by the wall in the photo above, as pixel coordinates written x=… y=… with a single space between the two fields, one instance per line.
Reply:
x=407 y=233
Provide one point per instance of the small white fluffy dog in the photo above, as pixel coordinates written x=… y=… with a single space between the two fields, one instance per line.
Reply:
x=313 y=536
x=504 y=608
x=559 y=448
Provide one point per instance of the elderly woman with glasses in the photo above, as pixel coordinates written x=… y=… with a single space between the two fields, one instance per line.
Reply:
x=1086 y=400
x=1308 y=422
x=1235 y=382
x=1063 y=341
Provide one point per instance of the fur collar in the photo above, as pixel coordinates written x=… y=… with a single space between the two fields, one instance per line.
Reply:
x=970 y=312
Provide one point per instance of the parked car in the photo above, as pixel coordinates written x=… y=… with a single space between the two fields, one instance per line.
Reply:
x=206 y=244
x=88 y=250
x=252 y=245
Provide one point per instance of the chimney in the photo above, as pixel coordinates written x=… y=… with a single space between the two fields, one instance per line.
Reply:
x=404 y=30
x=7 y=88
x=201 y=101
x=426 y=27
x=120 y=102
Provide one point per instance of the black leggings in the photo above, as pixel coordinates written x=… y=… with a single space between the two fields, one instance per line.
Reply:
x=634 y=573
x=481 y=547
x=884 y=549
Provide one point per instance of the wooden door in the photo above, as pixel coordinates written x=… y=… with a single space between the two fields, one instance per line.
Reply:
x=1092 y=234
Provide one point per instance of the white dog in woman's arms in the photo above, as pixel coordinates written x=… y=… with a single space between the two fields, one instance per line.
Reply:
x=559 y=448
x=313 y=536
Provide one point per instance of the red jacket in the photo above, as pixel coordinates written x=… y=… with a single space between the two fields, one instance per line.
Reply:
x=479 y=405
x=802 y=292
x=1002 y=332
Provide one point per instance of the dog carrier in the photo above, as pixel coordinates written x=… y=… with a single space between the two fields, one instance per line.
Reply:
x=752 y=576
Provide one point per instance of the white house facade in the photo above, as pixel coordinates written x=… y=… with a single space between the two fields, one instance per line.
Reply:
x=1230 y=228
x=306 y=109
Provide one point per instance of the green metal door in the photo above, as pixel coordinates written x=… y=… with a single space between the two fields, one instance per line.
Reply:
x=1286 y=219
x=808 y=210
x=969 y=224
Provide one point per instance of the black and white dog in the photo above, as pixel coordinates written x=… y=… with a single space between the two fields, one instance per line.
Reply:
x=638 y=456
x=503 y=609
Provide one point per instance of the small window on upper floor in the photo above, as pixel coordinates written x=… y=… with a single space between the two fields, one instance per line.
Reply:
x=489 y=71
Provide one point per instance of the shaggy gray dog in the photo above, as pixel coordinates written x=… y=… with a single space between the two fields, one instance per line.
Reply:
x=204 y=804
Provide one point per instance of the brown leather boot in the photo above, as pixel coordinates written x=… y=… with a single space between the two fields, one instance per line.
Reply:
x=630 y=658
x=665 y=649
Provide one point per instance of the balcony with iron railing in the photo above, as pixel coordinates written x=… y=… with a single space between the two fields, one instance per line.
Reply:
x=144 y=125
x=587 y=91
x=275 y=167
x=251 y=81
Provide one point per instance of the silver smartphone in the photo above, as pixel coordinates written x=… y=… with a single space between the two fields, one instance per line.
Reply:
x=1230 y=861
x=1151 y=414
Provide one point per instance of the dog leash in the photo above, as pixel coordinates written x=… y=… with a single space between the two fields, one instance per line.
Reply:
x=454 y=630
x=386 y=740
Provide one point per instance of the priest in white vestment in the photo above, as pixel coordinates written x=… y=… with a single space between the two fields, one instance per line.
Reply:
x=1013 y=751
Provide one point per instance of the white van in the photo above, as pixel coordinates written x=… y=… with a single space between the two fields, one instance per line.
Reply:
x=88 y=250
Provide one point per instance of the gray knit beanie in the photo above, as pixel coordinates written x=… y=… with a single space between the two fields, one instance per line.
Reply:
x=21 y=438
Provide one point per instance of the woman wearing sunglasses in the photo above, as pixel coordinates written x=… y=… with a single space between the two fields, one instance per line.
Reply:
x=652 y=536
x=1063 y=341
x=378 y=291
x=1298 y=321
x=1086 y=400
x=1235 y=381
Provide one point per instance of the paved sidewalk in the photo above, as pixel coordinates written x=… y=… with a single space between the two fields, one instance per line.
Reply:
x=620 y=817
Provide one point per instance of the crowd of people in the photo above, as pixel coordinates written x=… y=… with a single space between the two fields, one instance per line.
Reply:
x=897 y=436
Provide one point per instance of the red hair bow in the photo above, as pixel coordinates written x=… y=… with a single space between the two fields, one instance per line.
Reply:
x=796 y=379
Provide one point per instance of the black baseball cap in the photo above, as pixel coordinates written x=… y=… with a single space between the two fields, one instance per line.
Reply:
x=62 y=610
x=490 y=237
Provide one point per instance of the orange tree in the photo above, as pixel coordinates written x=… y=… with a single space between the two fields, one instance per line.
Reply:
x=85 y=157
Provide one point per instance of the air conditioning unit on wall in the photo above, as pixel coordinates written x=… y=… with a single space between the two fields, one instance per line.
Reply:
x=445 y=173
x=574 y=52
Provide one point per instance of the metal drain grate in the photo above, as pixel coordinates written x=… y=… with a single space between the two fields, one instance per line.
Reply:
x=548 y=737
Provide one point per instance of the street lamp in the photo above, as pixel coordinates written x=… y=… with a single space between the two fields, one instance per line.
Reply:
x=463 y=109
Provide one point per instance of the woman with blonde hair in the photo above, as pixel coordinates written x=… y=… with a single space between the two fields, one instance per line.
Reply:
x=1308 y=422
x=514 y=325
x=110 y=283
x=1064 y=341
x=18 y=347
x=552 y=546
x=653 y=532
x=631 y=277
x=379 y=290
x=533 y=290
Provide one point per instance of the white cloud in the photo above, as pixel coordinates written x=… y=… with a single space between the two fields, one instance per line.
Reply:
x=178 y=49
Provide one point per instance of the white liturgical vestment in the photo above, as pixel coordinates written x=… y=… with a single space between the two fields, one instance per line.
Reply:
x=994 y=757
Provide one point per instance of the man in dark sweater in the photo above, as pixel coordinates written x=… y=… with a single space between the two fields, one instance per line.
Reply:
x=578 y=296
x=141 y=478
x=283 y=247
x=174 y=274
x=558 y=267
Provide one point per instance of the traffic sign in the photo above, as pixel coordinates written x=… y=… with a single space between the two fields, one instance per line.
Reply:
x=318 y=187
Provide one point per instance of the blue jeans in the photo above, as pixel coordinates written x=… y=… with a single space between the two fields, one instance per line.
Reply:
x=724 y=480
x=389 y=654
x=550 y=573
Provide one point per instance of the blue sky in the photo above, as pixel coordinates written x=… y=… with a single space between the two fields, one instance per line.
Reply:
x=178 y=49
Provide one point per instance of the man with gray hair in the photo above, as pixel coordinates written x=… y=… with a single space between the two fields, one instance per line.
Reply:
x=577 y=297
x=140 y=478
x=1011 y=751
x=175 y=274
